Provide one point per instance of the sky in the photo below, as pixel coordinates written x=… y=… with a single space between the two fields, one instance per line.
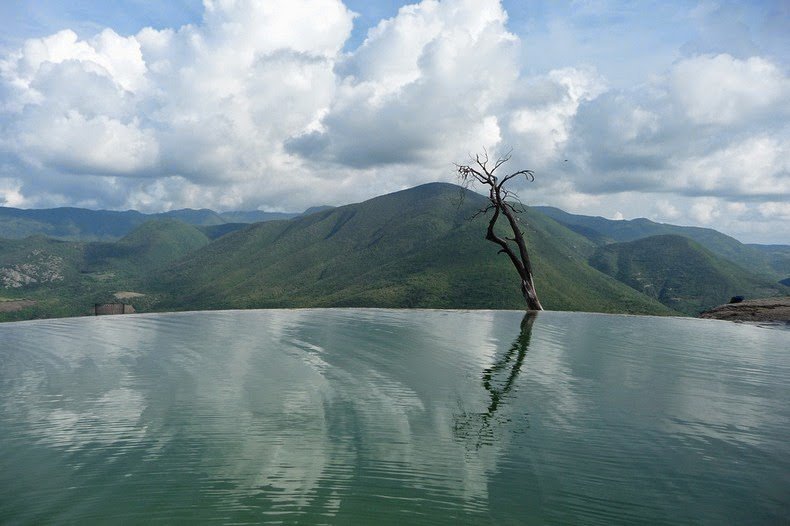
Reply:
x=672 y=110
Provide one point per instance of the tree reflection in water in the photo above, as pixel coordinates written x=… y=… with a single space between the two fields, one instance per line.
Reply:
x=477 y=429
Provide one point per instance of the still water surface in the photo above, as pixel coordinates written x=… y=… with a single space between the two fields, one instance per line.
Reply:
x=394 y=417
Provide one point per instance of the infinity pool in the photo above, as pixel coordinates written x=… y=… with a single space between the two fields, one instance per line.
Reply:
x=346 y=416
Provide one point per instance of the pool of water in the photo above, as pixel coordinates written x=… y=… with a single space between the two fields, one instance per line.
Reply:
x=346 y=416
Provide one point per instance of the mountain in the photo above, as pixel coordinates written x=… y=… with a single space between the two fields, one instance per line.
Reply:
x=79 y=224
x=68 y=223
x=316 y=209
x=601 y=230
x=65 y=278
x=45 y=274
x=414 y=248
x=37 y=260
x=215 y=231
x=147 y=248
x=680 y=273
x=202 y=217
x=778 y=257
x=255 y=216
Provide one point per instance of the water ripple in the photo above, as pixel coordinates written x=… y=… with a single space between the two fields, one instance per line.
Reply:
x=360 y=416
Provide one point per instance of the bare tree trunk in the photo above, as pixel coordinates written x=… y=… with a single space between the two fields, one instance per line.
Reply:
x=498 y=197
x=530 y=296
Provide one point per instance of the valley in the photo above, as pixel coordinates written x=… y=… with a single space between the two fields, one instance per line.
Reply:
x=417 y=248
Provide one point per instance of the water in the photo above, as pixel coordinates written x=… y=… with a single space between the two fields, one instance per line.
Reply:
x=393 y=417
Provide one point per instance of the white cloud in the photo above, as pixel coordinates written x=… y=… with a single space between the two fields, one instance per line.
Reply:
x=424 y=88
x=724 y=90
x=541 y=124
x=775 y=210
x=666 y=211
x=756 y=166
x=704 y=210
x=727 y=137
x=10 y=192
x=204 y=105
x=245 y=28
x=118 y=58
x=98 y=145
x=259 y=104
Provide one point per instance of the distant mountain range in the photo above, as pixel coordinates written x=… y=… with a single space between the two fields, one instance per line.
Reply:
x=773 y=259
x=414 y=248
x=79 y=224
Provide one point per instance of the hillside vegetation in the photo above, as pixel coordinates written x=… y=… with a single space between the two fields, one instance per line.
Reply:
x=414 y=248
x=679 y=272
x=778 y=257
x=64 y=278
x=601 y=231
x=79 y=224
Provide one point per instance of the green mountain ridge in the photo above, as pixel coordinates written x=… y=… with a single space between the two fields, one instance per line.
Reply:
x=413 y=248
x=778 y=257
x=80 y=224
x=601 y=230
x=680 y=272
x=74 y=224
x=65 y=278
x=151 y=246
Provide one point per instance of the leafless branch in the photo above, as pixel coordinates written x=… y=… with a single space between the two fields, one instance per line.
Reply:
x=502 y=160
x=482 y=212
x=500 y=200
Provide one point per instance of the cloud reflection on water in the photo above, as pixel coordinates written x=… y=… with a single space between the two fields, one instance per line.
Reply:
x=326 y=415
x=289 y=405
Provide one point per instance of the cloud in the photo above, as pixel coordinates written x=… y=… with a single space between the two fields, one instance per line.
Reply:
x=541 y=115
x=118 y=58
x=261 y=104
x=75 y=144
x=424 y=88
x=756 y=167
x=701 y=129
x=705 y=210
x=723 y=90
x=705 y=143
x=206 y=105
x=775 y=210
x=10 y=194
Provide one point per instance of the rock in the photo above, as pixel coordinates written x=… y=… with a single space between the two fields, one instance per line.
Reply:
x=737 y=299
x=766 y=309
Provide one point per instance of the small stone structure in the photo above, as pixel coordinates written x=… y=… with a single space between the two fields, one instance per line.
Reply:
x=101 y=309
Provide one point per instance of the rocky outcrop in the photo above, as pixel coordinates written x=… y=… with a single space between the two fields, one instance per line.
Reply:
x=40 y=268
x=766 y=309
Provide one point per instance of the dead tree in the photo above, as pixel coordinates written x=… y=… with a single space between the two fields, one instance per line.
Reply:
x=501 y=202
